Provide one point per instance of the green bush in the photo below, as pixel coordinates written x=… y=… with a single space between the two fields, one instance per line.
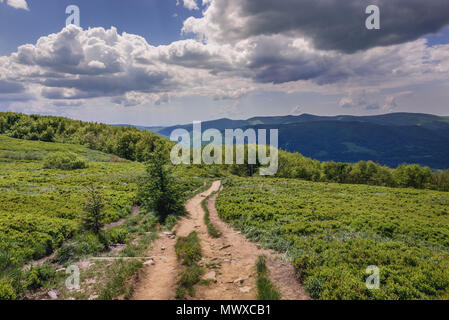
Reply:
x=116 y=236
x=314 y=286
x=64 y=161
x=83 y=245
x=6 y=290
x=35 y=277
x=149 y=223
x=66 y=253
x=90 y=244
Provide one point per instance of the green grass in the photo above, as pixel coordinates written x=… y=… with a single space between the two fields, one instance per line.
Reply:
x=11 y=146
x=266 y=290
x=39 y=208
x=211 y=229
x=332 y=233
x=117 y=284
x=188 y=249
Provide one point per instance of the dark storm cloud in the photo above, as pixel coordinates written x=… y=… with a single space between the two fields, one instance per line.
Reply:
x=329 y=24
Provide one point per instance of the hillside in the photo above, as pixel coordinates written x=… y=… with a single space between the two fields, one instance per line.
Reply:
x=40 y=212
x=318 y=225
x=332 y=233
x=389 y=139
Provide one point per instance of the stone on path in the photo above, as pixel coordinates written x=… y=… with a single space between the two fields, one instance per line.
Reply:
x=212 y=276
x=246 y=289
x=53 y=295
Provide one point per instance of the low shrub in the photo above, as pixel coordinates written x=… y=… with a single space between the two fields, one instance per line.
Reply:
x=83 y=245
x=64 y=161
x=116 y=236
x=7 y=291
x=35 y=277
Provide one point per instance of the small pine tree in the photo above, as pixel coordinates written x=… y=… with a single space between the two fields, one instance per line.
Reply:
x=93 y=216
x=159 y=191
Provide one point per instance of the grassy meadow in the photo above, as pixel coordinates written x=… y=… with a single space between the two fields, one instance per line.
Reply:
x=333 y=232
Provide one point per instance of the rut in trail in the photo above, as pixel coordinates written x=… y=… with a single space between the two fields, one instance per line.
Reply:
x=232 y=257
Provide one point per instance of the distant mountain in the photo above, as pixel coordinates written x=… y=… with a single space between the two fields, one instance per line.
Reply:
x=389 y=139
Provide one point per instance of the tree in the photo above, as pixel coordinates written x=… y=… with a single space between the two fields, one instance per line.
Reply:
x=413 y=176
x=93 y=216
x=159 y=191
x=48 y=135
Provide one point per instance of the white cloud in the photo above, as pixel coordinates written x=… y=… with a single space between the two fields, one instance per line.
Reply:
x=189 y=4
x=76 y=65
x=17 y=4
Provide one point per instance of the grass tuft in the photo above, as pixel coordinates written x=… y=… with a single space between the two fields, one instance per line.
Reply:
x=189 y=250
x=266 y=290
x=211 y=229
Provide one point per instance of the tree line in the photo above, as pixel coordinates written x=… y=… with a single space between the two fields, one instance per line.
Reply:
x=125 y=142
x=138 y=145
x=294 y=165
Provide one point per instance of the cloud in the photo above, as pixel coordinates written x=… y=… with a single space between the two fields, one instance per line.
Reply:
x=17 y=4
x=231 y=94
x=124 y=69
x=10 y=87
x=347 y=102
x=328 y=24
x=66 y=104
x=370 y=101
x=231 y=110
x=391 y=101
x=82 y=64
x=189 y=4
x=360 y=100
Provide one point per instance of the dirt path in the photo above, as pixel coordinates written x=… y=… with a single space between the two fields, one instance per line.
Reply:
x=236 y=278
x=158 y=281
x=229 y=259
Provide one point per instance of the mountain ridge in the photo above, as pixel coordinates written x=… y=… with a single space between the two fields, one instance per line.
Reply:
x=389 y=139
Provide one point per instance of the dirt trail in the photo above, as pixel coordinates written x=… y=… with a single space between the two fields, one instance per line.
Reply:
x=229 y=259
x=236 y=278
x=158 y=281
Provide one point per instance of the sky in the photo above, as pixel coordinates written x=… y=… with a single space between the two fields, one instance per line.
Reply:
x=166 y=62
